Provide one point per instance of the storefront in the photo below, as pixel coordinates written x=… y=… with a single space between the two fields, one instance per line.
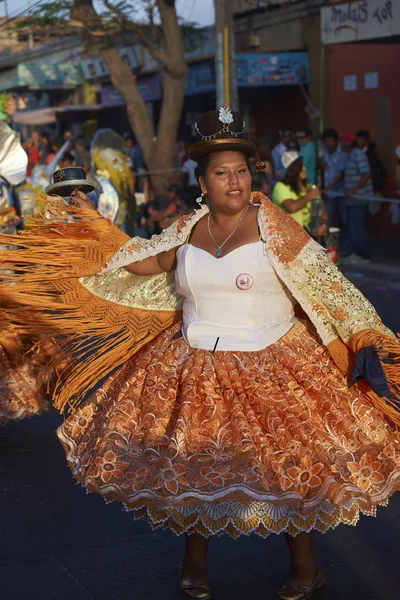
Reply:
x=114 y=113
x=38 y=87
x=199 y=97
x=364 y=56
x=273 y=91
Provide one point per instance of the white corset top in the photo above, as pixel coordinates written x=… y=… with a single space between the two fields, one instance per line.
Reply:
x=236 y=302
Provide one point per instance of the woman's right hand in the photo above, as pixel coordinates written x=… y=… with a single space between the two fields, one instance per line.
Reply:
x=81 y=200
x=314 y=193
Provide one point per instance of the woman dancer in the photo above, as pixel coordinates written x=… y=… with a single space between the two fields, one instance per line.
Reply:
x=233 y=416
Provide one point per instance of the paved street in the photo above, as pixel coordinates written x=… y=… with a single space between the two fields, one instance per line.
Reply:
x=59 y=543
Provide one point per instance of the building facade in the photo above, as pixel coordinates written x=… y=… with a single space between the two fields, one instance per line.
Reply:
x=362 y=40
x=283 y=29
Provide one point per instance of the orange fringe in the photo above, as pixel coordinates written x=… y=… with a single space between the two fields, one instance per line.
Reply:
x=344 y=358
x=389 y=350
x=78 y=242
x=45 y=299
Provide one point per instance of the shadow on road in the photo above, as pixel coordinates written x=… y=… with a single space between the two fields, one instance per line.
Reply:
x=57 y=542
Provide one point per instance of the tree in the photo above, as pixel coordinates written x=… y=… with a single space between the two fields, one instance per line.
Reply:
x=101 y=27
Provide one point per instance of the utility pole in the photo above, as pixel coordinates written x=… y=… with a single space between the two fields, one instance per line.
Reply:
x=30 y=36
x=225 y=65
x=6 y=15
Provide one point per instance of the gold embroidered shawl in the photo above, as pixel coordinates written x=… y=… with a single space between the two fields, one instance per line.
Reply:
x=67 y=277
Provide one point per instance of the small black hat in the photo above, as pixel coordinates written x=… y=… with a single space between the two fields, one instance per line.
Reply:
x=67 y=180
x=221 y=130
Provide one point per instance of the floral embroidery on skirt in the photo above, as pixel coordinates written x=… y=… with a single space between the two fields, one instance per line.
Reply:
x=235 y=442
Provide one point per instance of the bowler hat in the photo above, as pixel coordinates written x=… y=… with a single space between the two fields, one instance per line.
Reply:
x=221 y=130
x=67 y=180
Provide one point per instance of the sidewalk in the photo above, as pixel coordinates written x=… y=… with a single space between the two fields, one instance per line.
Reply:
x=373 y=269
x=385 y=259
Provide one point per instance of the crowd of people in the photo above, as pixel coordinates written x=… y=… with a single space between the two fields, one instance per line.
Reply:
x=344 y=171
x=42 y=148
x=154 y=212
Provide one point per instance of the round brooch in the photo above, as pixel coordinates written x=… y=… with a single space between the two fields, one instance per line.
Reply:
x=244 y=281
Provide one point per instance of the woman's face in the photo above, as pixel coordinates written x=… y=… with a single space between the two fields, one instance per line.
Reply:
x=227 y=182
x=303 y=173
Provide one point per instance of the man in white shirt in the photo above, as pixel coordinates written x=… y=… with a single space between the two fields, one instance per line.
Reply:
x=285 y=136
x=188 y=168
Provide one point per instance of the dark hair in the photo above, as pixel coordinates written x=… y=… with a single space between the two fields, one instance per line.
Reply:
x=264 y=149
x=305 y=130
x=292 y=173
x=203 y=163
x=68 y=156
x=128 y=136
x=174 y=188
x=189 y=197
x=283 y=130
x=160 y=202
x=363 y=134
x=330 y=133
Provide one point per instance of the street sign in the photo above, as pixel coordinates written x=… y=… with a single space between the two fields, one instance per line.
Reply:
x=362 y=20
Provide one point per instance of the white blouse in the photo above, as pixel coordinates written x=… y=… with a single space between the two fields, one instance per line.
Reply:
x=231 y=303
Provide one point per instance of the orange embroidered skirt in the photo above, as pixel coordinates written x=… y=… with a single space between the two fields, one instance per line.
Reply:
x=235 y=442
x=22 y=394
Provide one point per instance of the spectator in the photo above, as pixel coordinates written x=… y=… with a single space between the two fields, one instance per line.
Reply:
x=45 y=149
x=182 y=201
x=285 y=136
x=187 y=200
x=293 y=145
x=308 y=152
x=35 y=138
x=294 y=194
x=334 y=165
x=160 y=212
x=67 y=160
x=378 y=171
x=82 y=155
x=67 y=134
x=134 y=151
x=188 y=176
x=358 y=191
x=135 y=154
x=33 y=151
x=173 y=192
